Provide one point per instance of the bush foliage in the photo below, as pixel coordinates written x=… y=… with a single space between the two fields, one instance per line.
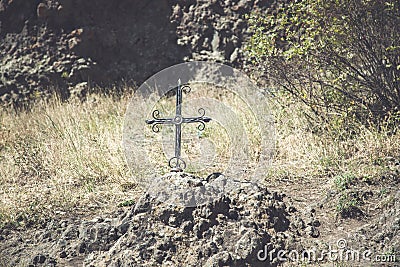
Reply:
x=340 y=57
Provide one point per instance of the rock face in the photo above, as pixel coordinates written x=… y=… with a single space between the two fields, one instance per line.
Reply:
x=48 y=45
x=230 y=231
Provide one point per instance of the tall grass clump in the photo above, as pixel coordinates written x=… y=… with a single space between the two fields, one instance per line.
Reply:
x=304 y=153
x=61 y=157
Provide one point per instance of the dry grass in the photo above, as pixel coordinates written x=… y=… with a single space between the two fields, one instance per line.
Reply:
x=302 y=153
x=64 y=157
x=212 y=149
x=61 y=157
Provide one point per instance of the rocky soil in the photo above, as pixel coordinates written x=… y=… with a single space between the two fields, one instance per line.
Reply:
x=229 y=231
x=236 y=229
x=70 y=46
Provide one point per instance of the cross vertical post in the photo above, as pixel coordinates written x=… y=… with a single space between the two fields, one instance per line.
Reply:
x=178 y=118
x=180 y=164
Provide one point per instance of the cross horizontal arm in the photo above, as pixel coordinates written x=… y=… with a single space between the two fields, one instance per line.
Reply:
x=156 y=121
x=200 y=120
x=196 y=119
x=160 y=121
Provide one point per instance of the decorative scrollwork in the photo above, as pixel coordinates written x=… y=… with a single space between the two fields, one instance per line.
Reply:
x=186 y=88
x=201 y=126
x=156 y=114
x=179 y=163
x=202 y=112
x=155 y=128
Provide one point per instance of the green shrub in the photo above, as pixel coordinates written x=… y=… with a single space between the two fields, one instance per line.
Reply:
x=340 y=57
x=342 y=182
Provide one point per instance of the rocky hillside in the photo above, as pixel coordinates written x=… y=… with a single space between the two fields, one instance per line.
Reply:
x=70 y=46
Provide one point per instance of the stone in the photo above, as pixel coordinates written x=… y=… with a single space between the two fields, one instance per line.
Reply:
x=143 y=205
x=219 y=259
x=42 y=11
x=298 y=223
x=39 y=259
x=82 y=247
x=247 y=244
x=63 y=254
x=312 y=231
x=316 y=223
x=233 y=214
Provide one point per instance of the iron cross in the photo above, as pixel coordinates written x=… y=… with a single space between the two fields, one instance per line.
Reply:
x=176 y=163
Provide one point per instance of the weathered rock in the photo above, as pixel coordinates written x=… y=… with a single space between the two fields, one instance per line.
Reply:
x=312 y=231
x=54 y=45
x=219 y=259
x=39 y=259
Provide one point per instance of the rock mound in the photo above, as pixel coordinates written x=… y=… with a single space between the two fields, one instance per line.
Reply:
x=233 y=230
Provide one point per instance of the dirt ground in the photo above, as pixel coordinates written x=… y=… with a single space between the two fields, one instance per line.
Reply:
x=292 y=216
